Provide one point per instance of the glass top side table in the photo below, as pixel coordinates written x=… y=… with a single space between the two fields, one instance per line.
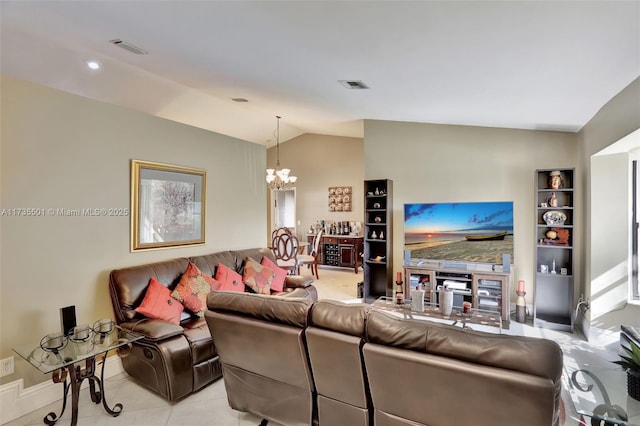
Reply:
x=599 y=393
x=72 y=359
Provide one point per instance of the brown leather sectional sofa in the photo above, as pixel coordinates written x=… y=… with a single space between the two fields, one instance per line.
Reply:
x=297 y=362
x=177 y=360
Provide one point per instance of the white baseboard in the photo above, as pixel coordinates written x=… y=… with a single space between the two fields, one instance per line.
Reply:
x=16 y=401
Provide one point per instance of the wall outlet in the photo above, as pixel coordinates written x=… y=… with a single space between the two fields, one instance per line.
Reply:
x=6 y=366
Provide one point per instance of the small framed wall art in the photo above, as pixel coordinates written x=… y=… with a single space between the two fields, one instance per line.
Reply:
x=167 y=205
x=340 y=198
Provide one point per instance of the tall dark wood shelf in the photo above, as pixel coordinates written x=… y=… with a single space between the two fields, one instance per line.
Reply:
x=378 y=239
x=553 y=304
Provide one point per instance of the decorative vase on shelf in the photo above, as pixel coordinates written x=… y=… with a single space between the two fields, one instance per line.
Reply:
x=555 y=179
x=446 y=301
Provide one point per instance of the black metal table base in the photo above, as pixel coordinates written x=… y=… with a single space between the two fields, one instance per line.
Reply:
x=76 y=375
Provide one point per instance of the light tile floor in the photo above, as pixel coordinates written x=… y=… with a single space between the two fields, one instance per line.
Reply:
x=209 y=406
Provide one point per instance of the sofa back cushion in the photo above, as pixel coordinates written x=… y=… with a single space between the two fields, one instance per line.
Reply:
x=128 y=286
x=260 y=341
x=335 y=337
x=540 y=357
x=233 y=259
x=438 y=366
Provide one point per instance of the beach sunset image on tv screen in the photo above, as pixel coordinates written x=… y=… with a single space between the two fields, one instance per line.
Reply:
x=466 y=232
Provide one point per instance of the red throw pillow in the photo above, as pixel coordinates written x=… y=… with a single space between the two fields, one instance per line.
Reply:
x=257 y=277
x=277 y=283
x=158 y=303
x=193 y=288
x=230 y=279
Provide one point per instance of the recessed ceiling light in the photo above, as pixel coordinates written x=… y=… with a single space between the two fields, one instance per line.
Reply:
x=94 y=65
x=353 y=84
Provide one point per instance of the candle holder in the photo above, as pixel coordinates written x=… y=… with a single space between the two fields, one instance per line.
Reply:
x=399 y=293
x=521 y=307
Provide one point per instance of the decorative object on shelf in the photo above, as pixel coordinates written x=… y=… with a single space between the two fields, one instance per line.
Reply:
x=378 y=259
x=553 y=267
x=377 y=219
x=563 y=271
x=340 y=199
x=555 y=179
x=630 y=361
x=374 y=235
x=544 y=269
x=552 y=235
x=554 y=217
x=278 y=178
x=553 y=200
x=168 y=205
x=521 y=304
x=446 y=300
x=376 y=205
x=381 y=236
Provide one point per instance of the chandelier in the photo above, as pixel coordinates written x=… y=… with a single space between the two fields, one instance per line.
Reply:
x=278 y=178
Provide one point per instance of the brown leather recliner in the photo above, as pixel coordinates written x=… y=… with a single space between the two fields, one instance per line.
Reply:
x=177 y=360
x=261 y=343
x=334 y=338
x=423 y=373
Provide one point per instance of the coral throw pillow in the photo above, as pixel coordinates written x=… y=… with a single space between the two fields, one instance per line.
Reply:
x=230 y=279
x=277 y=284
x=158 y=303
x=193 y=288
x=257 y=277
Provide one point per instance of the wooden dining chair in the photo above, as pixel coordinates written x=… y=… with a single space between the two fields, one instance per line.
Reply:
x=279 y=231
x=311 y=259
x=285 y=250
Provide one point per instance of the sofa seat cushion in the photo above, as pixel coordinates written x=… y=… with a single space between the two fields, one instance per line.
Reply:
x=197 y=333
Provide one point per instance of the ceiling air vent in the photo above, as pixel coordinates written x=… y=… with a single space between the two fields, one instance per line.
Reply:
x=353 y=84
x=128 y=46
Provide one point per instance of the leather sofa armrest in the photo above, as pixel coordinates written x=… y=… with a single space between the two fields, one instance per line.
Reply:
x=298 y=281
x=153 y=329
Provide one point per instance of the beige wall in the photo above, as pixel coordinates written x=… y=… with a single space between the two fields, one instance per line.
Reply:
x=63 y=151
x=322 y=161
x=615 y=120
x=442 y=163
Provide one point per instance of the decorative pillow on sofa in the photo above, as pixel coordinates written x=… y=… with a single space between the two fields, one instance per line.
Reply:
x=257 y=277
x=193 y=288
x=277 y=284
x=230 y=279
x=158 y=303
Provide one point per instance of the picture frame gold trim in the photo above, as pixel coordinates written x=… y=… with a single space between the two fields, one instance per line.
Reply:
x=168 y=205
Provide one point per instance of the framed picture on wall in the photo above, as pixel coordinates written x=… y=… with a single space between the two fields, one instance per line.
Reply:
x=167 y=205
x=340 y=199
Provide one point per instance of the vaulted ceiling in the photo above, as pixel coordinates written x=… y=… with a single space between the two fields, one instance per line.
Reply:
x=547 y=65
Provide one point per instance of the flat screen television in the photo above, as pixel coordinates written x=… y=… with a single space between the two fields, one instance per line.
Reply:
x=479 y=232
